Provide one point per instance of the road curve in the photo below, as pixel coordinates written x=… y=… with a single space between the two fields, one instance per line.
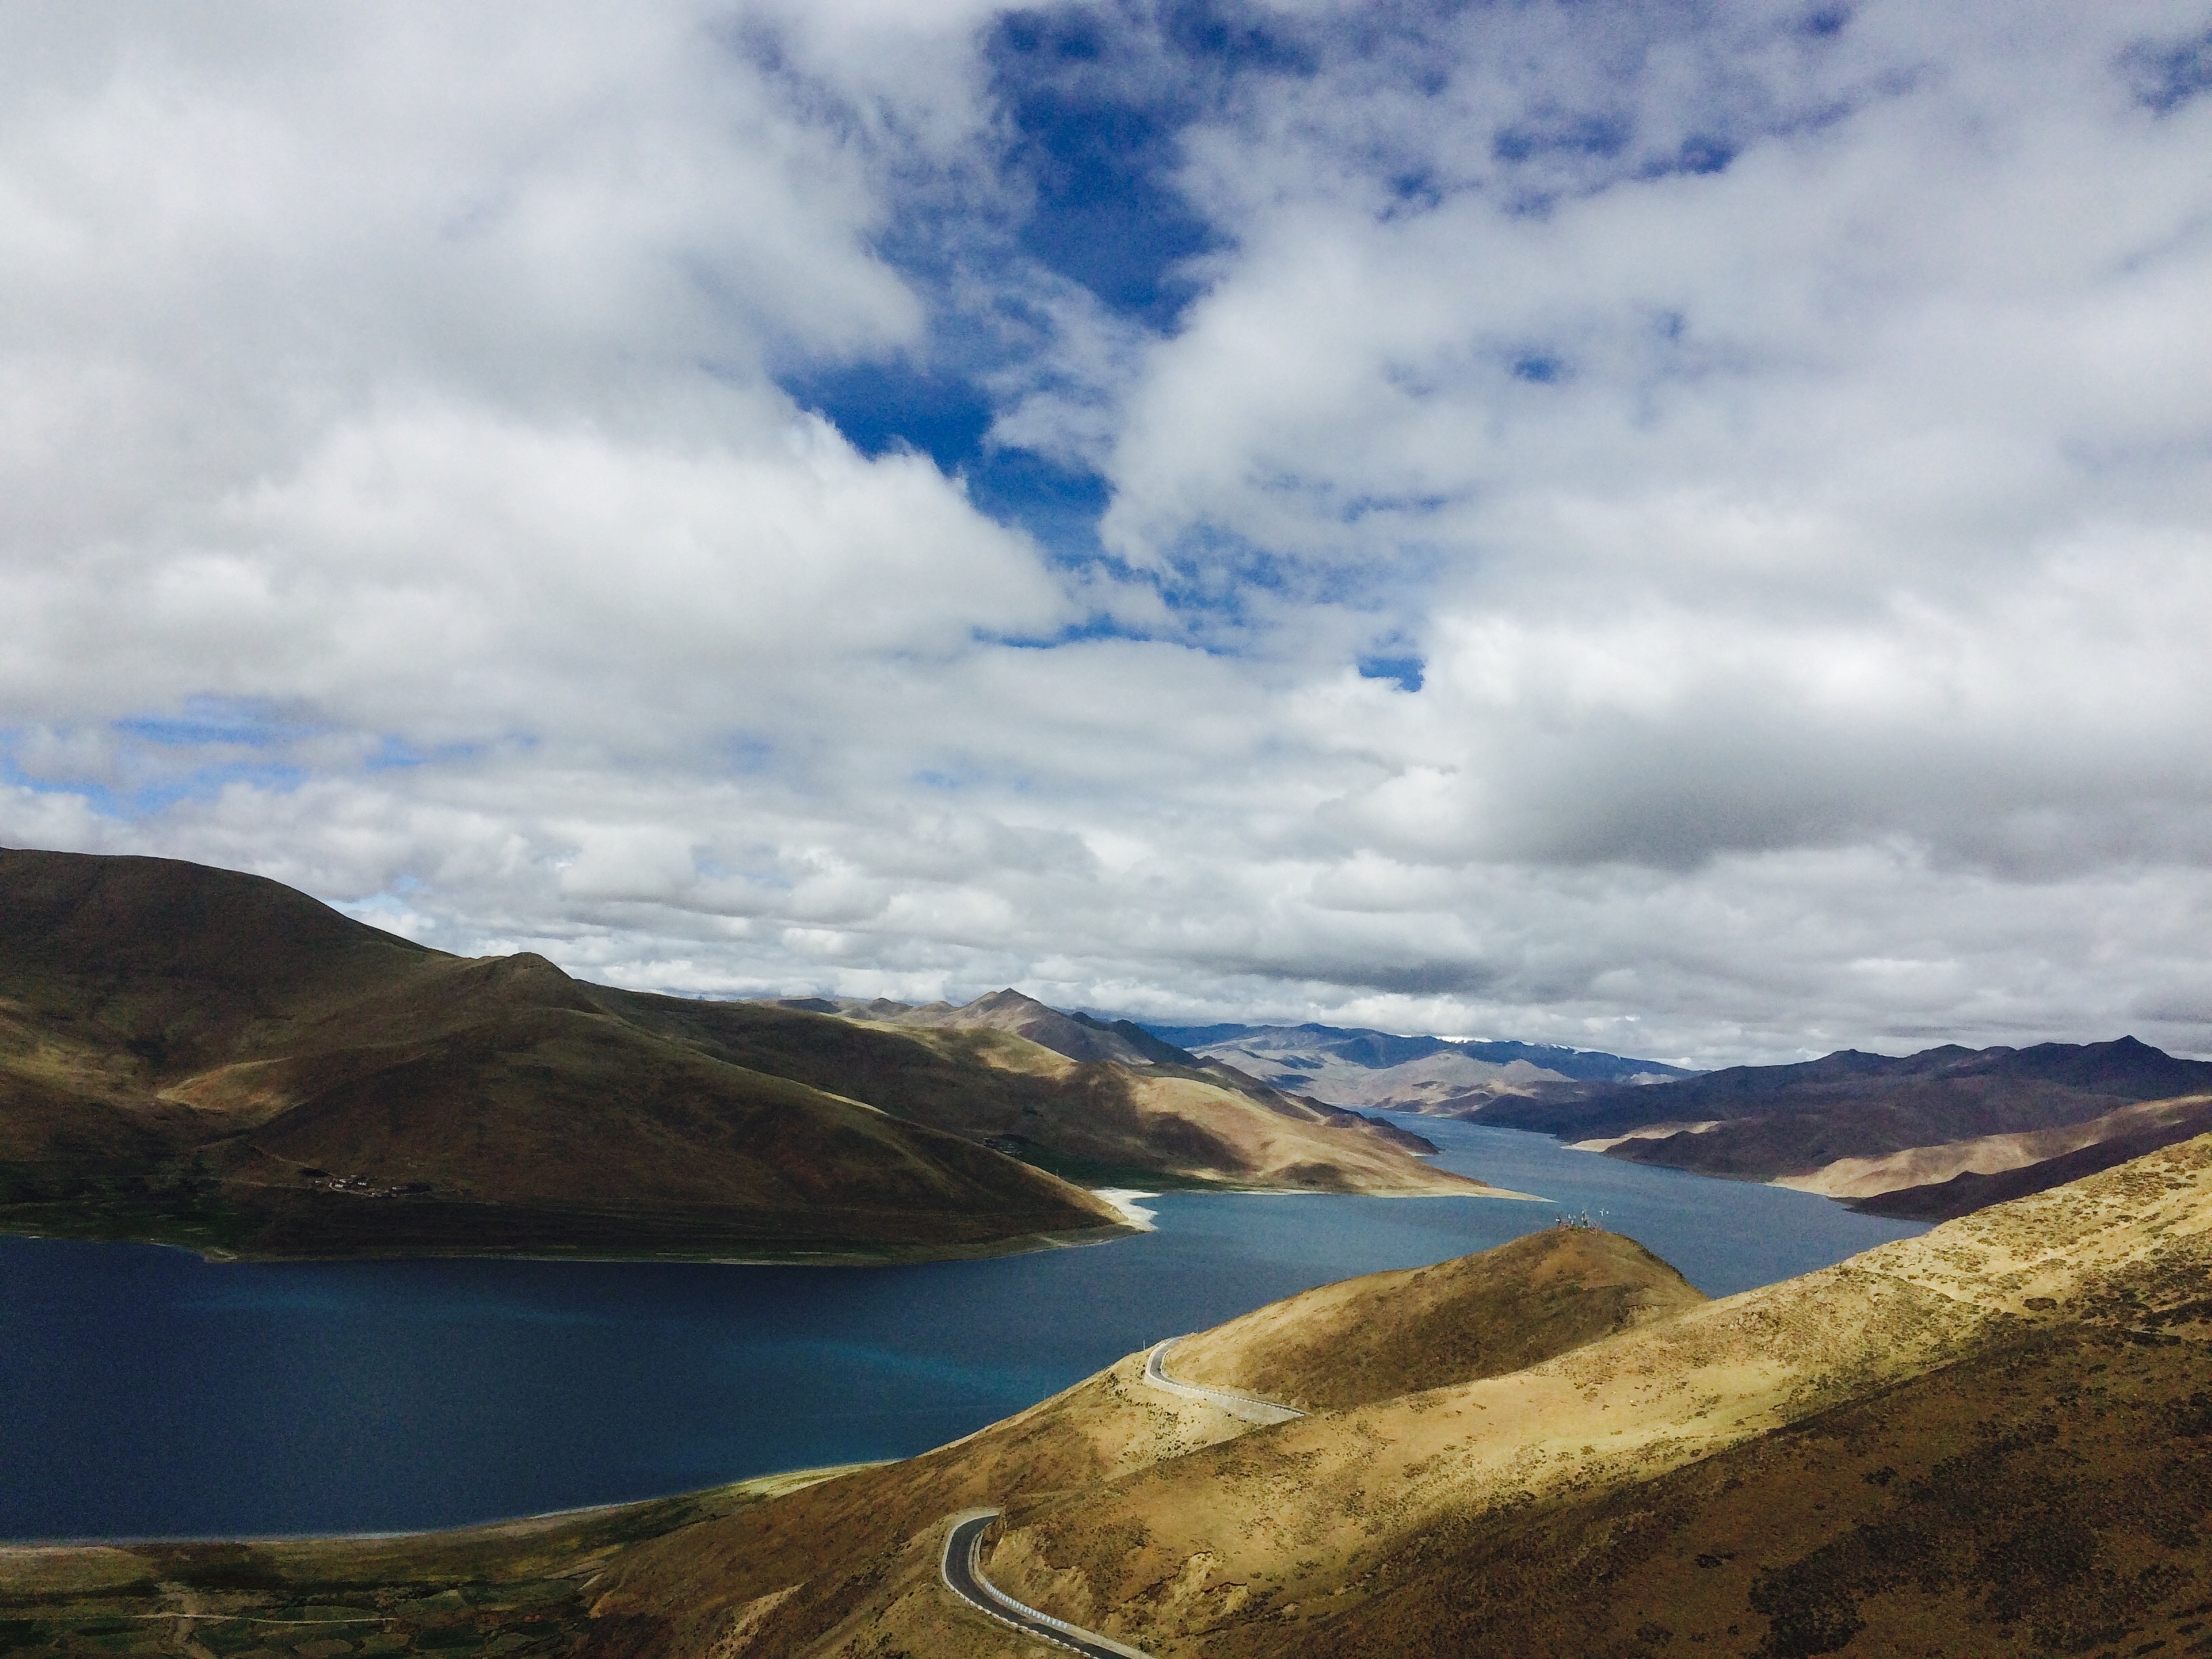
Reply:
x=963 y=1576
x=1250 y=1408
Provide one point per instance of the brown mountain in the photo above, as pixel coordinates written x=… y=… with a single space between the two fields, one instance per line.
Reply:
x=212 y=1058
x=1079 y=1036
x=1098 y=1122
x=1999 y=1168
x=1867 y=1127
x=1994 y=1439
x=193 y=1054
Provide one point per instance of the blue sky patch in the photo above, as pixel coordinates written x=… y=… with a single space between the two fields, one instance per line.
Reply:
x=1602 y=136
x=396 y=754
x=155 y=795
x=1058 y=505
x=1096 y=154
x=1408 y=673
x=207 y=721
x=884 y=406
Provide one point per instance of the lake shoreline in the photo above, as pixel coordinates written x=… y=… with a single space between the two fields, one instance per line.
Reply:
x=88 y=1229
x=154 y=1395
x=15 y=1551
x=854 y=1255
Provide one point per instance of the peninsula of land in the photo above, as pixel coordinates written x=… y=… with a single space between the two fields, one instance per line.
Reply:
x=197 y=1056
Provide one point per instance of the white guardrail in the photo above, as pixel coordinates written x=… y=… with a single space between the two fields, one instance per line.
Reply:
x=1024 y=1616
x=1250 y=1408
x=996 y=1604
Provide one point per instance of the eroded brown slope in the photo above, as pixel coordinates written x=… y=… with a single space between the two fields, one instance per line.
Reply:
x=1094 y=1121
x=207 y=1057
x=214 y=1060
x=1391 y=1334
x=1864 y=1127
x=2114 y=1139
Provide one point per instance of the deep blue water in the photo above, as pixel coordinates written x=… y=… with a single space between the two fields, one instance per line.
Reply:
x=146 y=1393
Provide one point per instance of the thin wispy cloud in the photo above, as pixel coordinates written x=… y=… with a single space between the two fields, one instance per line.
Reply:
x=1677 y=529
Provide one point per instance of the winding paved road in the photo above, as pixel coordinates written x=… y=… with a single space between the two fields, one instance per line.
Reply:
x=1250 y=1408
x=962 y=1564
x=963 y=1576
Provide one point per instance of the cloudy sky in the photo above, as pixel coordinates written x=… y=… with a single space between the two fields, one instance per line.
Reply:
x=1680 y=528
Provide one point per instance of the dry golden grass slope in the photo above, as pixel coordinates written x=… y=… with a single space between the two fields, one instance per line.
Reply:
x=1390 y=1334
x=1340 y=1532
x=1191 y=1130
x=876 y=1589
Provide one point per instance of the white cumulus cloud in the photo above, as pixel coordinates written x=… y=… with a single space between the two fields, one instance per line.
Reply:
x=1763 y=454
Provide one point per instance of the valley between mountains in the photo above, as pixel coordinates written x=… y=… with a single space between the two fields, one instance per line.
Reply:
x=1922 y=1137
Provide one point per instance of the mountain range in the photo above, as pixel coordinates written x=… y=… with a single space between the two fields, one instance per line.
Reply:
x=1121 y=1042
x=1922 y=1136
x=1078 y=1036
x=1355 y=1068
x=1991 y=1440
x=214 y=1059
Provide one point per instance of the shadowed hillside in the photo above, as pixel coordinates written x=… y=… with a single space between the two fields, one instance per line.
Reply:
x=1099 y=1123
x=213 y=1060
x=1135 y=1087
x=1889 y=1135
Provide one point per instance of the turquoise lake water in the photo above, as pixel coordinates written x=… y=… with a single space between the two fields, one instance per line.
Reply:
x=145 y=1393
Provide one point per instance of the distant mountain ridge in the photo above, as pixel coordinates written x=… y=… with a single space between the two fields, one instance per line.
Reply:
x=1078 y=1036
x=1352 y=1066
x=1928 y=1135
x=1237 y=1104
x=1382 y=1049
